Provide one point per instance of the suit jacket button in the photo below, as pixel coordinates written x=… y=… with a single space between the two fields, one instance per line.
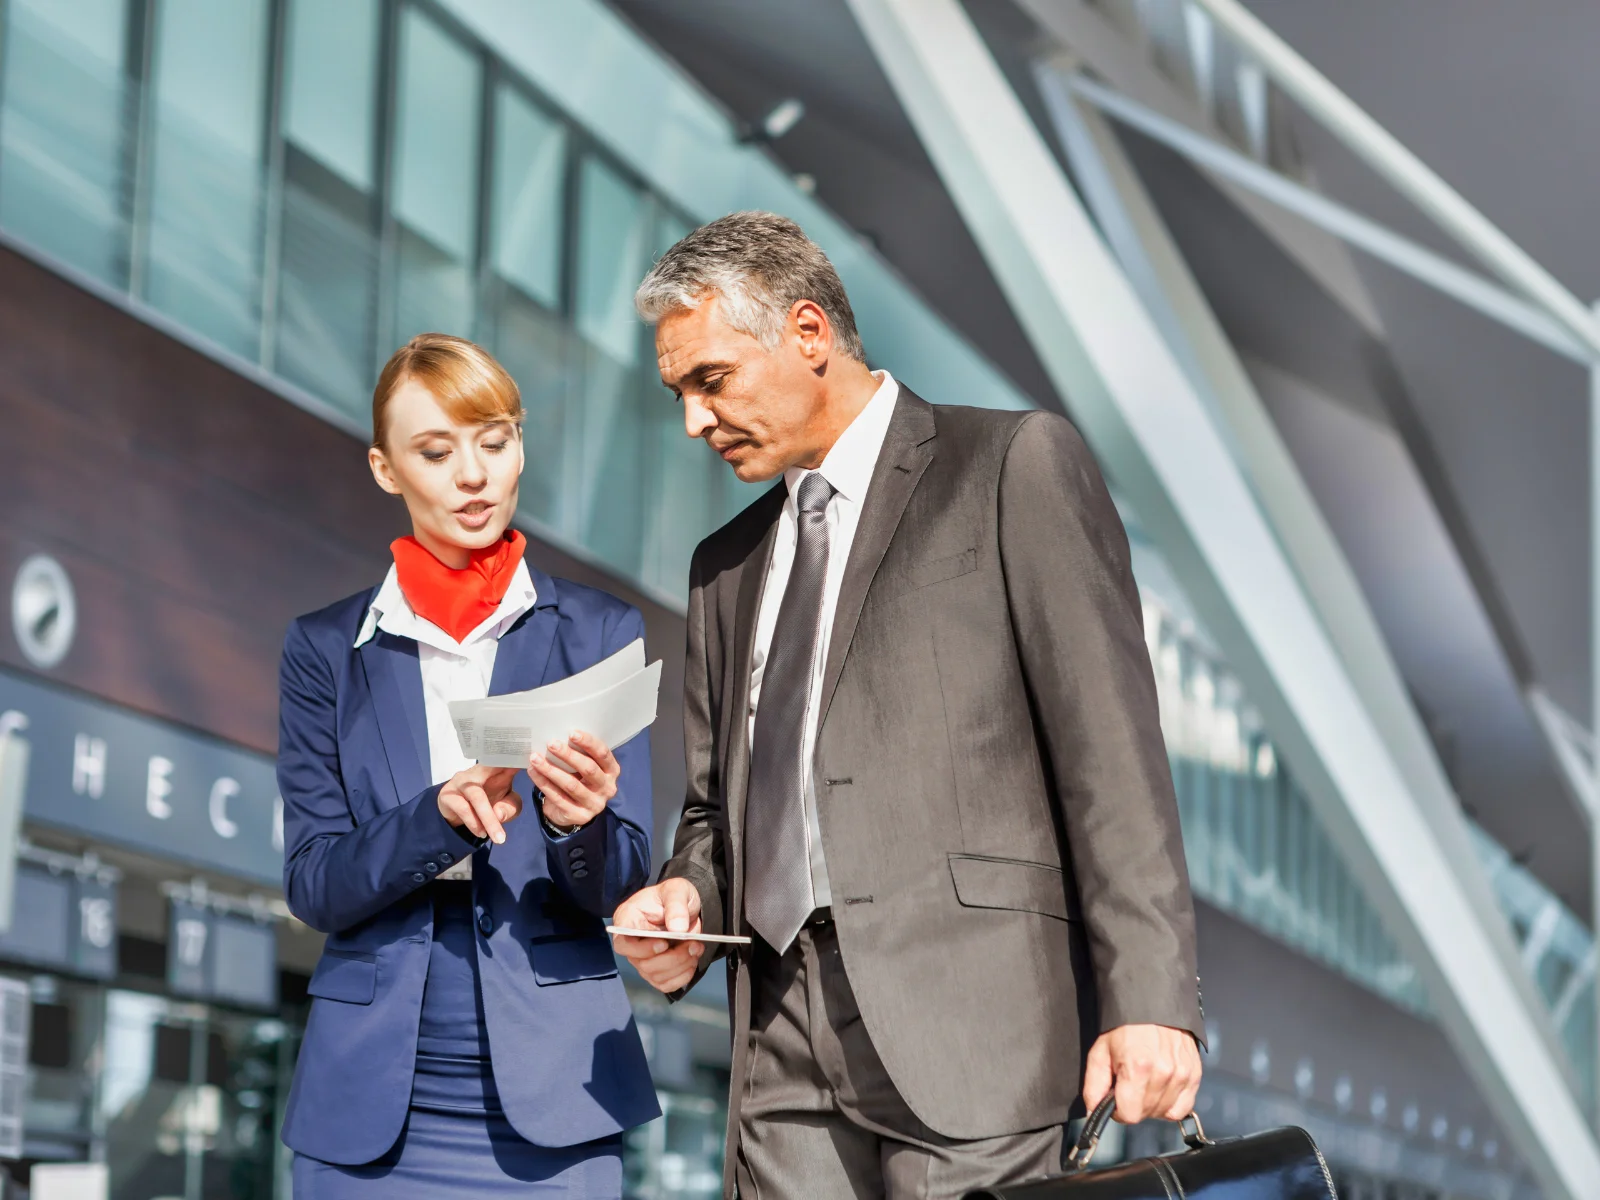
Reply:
x=485 y=924
x=418 y=877
x=580 y=872
x=431 y=868
x=576 y=854
x=444 y=858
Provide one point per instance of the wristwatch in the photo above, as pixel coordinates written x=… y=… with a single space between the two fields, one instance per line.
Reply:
x=550 y=827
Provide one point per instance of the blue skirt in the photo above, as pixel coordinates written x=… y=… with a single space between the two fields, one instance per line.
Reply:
x=456 y=1140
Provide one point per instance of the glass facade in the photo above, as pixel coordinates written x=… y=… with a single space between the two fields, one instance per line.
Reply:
x=1256 y=850
x=177 y=1099
x=305 y=185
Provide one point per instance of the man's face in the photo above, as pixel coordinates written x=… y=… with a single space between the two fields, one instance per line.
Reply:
x=753 y=406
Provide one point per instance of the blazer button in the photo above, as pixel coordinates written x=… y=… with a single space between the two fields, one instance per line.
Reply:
x=418 y=877
x=431 y=868
x=580 y=872
x=485 y=924
x=445 y=858
x=576 y=854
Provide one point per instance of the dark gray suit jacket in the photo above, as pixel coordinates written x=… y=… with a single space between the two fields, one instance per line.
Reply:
x=996 y=806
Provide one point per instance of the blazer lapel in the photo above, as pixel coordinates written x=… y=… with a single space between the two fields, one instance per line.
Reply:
x=752 y=581
x=394 y=680
x=523 y=658
x=907 y=451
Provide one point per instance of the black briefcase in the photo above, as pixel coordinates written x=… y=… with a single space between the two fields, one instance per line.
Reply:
x=1283 y=1164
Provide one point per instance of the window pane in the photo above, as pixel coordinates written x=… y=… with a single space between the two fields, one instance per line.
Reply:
x=436 y=178
x=436 y=154
x=530 y=155
x=330 y=104
x=540 y=351
x=206 y=191
x=327 y=286
x=67 y=118
x=613 y=225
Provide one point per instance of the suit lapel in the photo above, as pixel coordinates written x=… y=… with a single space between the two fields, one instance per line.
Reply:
x=523 y=658
x=394 y=680
x=907 y=451
x=747 y=607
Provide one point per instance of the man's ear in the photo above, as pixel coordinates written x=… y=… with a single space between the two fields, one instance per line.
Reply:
x=812 y=331
x=381 y=471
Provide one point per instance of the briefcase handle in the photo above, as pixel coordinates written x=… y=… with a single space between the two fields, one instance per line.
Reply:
x=1077 y=1158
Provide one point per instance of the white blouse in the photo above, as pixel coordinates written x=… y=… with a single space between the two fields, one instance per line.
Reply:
x=451 y=670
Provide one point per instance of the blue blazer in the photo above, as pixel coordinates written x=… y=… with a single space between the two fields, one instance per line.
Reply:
x=363 y=837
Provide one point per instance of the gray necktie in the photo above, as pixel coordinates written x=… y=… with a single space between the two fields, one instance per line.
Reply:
x=777 y=890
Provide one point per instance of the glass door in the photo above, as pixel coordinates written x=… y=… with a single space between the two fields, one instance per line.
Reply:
x=189 y=1098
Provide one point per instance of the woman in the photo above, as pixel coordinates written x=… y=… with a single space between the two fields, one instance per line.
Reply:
x=469 y=1035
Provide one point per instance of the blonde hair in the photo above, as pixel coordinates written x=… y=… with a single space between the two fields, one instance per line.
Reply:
x=463 y=377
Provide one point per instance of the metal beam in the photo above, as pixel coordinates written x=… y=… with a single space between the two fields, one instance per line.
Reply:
x=1149 y=426
x=1465 y=287
x=1404 y=171
x=1594 y=675
x=1123 y=61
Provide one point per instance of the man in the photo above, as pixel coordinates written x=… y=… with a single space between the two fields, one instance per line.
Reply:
x=926 y=773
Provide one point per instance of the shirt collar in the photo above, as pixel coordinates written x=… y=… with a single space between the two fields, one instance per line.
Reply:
x=849 y=465
x=391 y=612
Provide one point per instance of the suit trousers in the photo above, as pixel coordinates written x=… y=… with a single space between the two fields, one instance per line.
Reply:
x=820 y=1118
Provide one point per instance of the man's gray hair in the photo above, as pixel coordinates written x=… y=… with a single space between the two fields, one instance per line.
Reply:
x=759 y=264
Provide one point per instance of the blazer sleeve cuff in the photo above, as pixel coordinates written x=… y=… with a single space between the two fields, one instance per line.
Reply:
x=434 y=844
x=1181 y=1008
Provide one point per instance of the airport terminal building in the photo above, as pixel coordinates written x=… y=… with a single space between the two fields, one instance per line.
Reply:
x=218 y=219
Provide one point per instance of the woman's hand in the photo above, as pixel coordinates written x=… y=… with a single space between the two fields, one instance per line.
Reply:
x=577 y=795
x=482 y=799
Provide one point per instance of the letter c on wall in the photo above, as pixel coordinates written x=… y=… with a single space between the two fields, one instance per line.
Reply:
x=222 y=791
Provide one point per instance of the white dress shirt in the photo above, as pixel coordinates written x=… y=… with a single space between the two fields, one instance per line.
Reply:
x=451 y=670
x=848 y=467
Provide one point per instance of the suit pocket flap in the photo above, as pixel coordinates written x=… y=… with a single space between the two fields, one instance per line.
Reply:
x=567 y=960
x=345 y=975
x=939 y=569
x=1011 y=883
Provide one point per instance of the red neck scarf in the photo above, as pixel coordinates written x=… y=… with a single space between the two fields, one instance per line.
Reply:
x=457 y=601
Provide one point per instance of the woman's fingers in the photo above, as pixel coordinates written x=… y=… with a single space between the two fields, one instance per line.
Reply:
x=458 y=811
x=597 y=751
x=484 y=808
x=564 y=790
x=580 y=765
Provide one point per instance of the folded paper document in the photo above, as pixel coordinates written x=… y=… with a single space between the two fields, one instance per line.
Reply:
x=614 y=700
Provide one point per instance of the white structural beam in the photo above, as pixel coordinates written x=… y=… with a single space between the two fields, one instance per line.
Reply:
x=1594 y=676
x=1133 y=228
x=1153 y=432
x=1572 y=747
x=1401 y=253
x=1404 y=171
x=1124 y=62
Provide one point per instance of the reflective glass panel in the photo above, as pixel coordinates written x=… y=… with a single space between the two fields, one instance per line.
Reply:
x=614 y=228
x=207 y=186
x=331 y=85
x=435 y=179
x=65 y=128
x=541 y=352
x=530 y=158
x=436 y=147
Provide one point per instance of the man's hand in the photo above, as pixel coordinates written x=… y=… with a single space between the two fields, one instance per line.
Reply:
x=481 y=798
x=578 y=778
x=672 y=904
x=1156 y=1070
